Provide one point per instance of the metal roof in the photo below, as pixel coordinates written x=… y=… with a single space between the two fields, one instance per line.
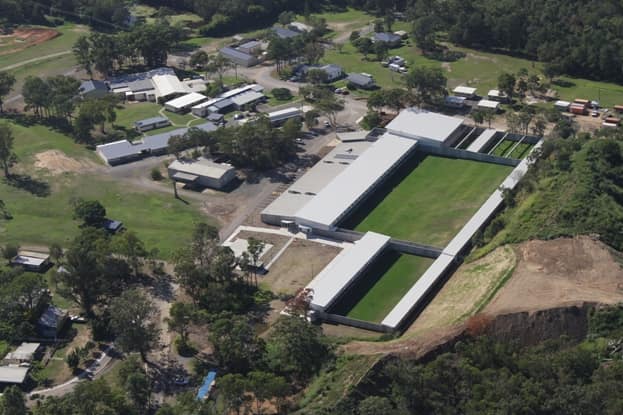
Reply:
x=464 y=90
x=236 y=54
x=93 y=85
x=201 y=167
x=342 y=193
x=24 y=352
x=30 y=258
x=151 y=121
x=126 y=79
x=13 y=374
x=421 y=124
x=246 y=98
x=331 y=282
x=285 y=33
x=360 y=79
x=186 y=100
x=353 y=136
x=285 y=113
x=314 y=180
x=123 y=148
x=386 y=37
x=487 y=103
x=168 y=85
x=482 y=140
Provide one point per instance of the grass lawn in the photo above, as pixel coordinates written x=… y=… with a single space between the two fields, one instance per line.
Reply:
x=69 y=33
x=387 y=291
x=429 y=204
x=159 y=220
x=521 y=151
x=503 y=148
x=128 y=114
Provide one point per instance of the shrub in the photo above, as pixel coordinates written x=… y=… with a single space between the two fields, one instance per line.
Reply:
x=282 y=94
x=156 y=175
x=371 y=120
x=73 y=360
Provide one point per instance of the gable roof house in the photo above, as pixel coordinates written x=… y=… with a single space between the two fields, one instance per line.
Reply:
x=239 y=57
x=284 y=33
x=52 y=322
x=385 y=37
x=362 y=80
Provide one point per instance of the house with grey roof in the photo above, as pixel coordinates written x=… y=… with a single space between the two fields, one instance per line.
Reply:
x=239 y=57
x=391 y=39
x=284 y=33
x=334 y=72
x=51 y=322
x=151 y=124
x=93 y=89
x=362 y=80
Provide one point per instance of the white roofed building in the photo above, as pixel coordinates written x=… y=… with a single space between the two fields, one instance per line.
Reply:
x=202 y=172
x=185 y=102
x=168 y=86
x=430 y=127
x=464 y=91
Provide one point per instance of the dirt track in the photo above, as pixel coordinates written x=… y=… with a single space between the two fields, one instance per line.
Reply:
x=24 y=38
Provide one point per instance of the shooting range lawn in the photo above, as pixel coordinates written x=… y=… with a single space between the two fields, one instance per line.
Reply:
x=433 y=202
x=387 y=291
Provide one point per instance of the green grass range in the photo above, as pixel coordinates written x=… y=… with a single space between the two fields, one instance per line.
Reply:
x=433 y=201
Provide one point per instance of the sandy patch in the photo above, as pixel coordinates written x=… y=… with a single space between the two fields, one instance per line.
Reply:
x=298 y=265
x=57 y=162
x=23 y=38
x=466 y=290
x=558 y=273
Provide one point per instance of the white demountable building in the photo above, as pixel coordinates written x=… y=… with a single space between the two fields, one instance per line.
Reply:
x=185 y=102
x=464 y=91
x=168 y=86
x=488 y=105
x=281 y=116
x=562 y=105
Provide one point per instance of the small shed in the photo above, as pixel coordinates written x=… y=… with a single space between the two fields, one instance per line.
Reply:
x=151 y=124
x=31 y=260
x=488 y=105
x=578 y=108
x=284 y=33
x=206 y=387
x=93 y=89
x=362 y=80
x=390 y=39
x=113 y=226
x=562 y=105
x=453 y=101
x=202 y=172
x=618 y=108
x=23 y=354
x=497 y=95
x=216 y=118
x=464 y=91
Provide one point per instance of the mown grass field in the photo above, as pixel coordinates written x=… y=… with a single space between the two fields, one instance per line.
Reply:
x=432 y=202
x=128 y=114
x=387 y=291
x=159 y=220
x=69 y=33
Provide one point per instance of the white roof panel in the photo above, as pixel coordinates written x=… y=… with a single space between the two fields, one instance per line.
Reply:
x=413 y=297
x=345 y=268
x=486 y=103
x=482 y=140
x=24 y=352
x=464 y=90
x=342 y=193
x=168 y=84
x=186 y=100
x=201 y=167
x=415 y=123
x=13 y=374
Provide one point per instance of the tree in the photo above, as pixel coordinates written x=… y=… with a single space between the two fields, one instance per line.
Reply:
x=180 y=316
x=296 y=348
x=7 y=155
x=265 y=386
x=282 y=94
x=551 y=70
x=330 y=106
x=132 y=248
x=317 y=76
x=426 y=84
x=364 y=46
x=232 y=388
x=373 y=405
x=381 y=50
x=236 y=347
x=10 y=251
x=177 y=144
x=311 y=118
x=138 y=390
x=478 y=116
x=219 y=65
x=354 y=36
x=90 y=212
x=73 y=360
x=506 y=84
x=82 y=52
x=56 y=253
x=286 y=17
x=132 y=320
x=200 y=60
x=313 y=51
x=255 y=249
x=13 y=402
x=37 y=95
x=7 y=81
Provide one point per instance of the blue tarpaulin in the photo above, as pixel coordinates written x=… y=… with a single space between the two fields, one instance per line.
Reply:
x=204 y=390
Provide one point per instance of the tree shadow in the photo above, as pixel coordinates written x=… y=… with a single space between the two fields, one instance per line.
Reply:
x=563 y=83
x=28 y=183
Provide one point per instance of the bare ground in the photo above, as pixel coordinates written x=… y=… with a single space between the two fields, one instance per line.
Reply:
x=560 y=272
x=57 y=162
x=298 y=265
x=277 y=241
x=23 y=38
x=548 y=274
x=469 y=287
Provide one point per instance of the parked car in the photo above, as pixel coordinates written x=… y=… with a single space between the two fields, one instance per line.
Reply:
x=327 y=124
x=238 y=116
x=299 y=140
